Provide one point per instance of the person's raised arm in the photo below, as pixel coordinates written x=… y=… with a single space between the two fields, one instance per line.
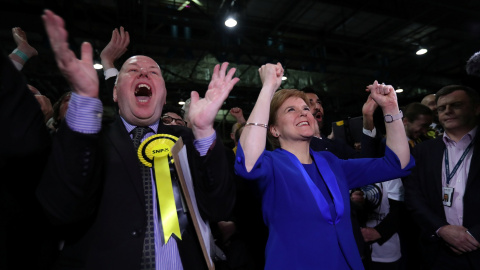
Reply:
x=386 y=98
x=24 y=50
x=253 y=138
x=238 y=114
x=202 y=112
x=79 y=73
x=115 y=48
x=368 y=109
x=45 y=103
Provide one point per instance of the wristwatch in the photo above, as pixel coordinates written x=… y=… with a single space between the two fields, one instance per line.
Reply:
x=390 y=118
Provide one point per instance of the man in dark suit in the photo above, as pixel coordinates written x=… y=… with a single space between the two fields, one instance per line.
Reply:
x=93 y=187
x=25 y=146
x=444 y=199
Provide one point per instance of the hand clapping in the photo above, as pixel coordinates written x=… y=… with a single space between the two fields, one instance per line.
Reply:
x=202 y=112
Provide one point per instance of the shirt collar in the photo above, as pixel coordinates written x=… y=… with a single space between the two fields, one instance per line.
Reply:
x=130 y=127
x=466 y=139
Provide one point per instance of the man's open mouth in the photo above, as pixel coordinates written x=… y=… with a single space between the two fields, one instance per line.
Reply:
x=143 y=92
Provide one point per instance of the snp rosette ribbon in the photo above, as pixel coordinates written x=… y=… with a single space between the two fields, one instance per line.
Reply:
x=155 y=152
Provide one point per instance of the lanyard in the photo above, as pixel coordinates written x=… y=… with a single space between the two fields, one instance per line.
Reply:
x=447 y=167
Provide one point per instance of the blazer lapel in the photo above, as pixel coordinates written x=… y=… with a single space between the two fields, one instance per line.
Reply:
x=123 y=146
x=437 y=158
x=331 y=182
x=474 y=168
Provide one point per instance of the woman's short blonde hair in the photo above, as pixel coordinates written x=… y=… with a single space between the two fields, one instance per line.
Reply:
x=278 y=99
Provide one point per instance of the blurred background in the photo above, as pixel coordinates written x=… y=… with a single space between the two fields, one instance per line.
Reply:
x=336 y=47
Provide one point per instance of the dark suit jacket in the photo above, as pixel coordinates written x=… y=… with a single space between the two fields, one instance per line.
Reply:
x=423 y=193
x=93 y=188
x=20 y=113
x=24 y=148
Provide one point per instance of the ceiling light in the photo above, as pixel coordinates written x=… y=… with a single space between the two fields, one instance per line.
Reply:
x=181 y=102
x=399 y=90
x=285 y=74
x=184 y=5
x=97 y=66
x=231 y=15
x=421 y=51
x=230 y=22
x=198 y=2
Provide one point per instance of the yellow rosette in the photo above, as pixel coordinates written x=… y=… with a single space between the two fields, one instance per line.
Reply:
x=155 y=151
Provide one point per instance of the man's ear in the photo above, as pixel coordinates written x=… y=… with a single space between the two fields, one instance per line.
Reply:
x=115 y=93
x=477 y=110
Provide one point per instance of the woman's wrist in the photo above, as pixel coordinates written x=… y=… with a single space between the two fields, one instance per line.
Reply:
x=391 y=109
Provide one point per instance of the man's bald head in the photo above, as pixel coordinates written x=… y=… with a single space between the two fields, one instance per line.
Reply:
x=429 y=101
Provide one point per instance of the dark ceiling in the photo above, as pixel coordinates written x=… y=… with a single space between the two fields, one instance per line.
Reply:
x=338 y=47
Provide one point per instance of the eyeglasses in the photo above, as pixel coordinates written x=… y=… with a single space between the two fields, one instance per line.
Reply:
x=168 y=120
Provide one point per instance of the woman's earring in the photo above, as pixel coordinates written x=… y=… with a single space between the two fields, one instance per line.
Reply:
x=276 y=134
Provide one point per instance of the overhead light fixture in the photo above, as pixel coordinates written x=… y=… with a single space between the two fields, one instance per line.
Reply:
x=181 y=102
x=184 y=5
x=197 y=2
x=421 y=51
x=231 y=18
x=285 y=74
x=399 y=90
x=230 y=22
x=97 y=66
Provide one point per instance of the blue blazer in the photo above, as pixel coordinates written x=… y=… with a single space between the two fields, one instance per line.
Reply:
x=302 y=233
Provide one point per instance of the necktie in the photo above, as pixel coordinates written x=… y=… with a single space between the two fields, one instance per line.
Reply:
x=148 y=257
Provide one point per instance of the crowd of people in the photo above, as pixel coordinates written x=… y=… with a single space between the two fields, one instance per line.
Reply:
x=91 y=189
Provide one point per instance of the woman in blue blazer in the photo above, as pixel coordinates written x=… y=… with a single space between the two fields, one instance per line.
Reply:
x=305 y=194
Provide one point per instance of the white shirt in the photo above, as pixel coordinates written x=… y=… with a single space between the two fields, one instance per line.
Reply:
x=455 y=150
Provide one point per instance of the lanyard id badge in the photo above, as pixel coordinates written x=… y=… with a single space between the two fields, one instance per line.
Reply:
x=447 y=192
x=447 y=195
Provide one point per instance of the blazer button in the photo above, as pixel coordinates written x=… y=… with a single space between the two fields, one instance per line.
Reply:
x=135 y=234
